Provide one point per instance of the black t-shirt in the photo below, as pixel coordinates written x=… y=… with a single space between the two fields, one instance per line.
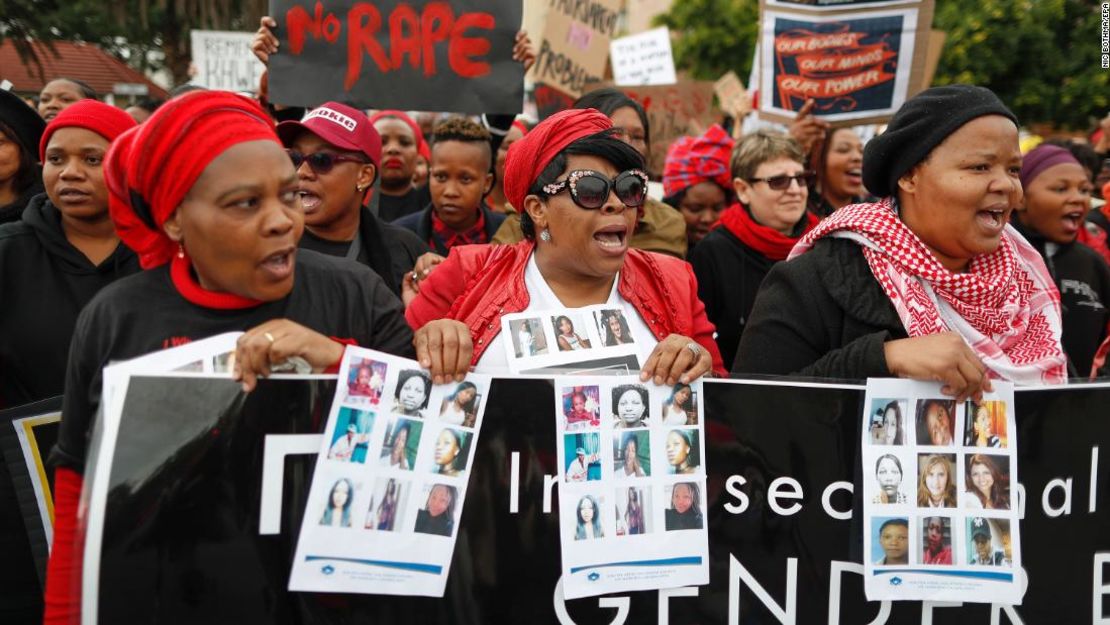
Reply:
x=145 y=313
x=393 y=207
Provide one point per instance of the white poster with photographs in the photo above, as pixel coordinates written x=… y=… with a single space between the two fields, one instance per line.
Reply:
x=632 y=497
x=595 y=340
x=941 y=522
x=390 y=481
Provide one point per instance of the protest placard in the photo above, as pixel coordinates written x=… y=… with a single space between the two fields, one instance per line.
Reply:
x=684 y=108
x=639 y=14
x=575 y=44
x=431 y=56
x=732 y=95
x=550 y=100
x=643 y=59
x=224 y=60
x=594 y=339
x=859 y=65
x=932 y=58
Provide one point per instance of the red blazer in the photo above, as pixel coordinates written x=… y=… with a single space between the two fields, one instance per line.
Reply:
x=477 y=284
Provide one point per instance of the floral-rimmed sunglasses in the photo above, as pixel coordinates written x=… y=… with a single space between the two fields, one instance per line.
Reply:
x=590 y=189
x=322 y=162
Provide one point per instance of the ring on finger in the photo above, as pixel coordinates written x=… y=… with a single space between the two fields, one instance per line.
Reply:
x=269 y=337
x=695 y=348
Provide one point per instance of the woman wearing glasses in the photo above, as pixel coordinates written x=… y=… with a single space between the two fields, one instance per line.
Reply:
x=336 y=151
x=578 y=187
x=929 y=283
x=770 y=180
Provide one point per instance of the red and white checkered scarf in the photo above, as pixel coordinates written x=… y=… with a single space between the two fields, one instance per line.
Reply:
x=1005 y=306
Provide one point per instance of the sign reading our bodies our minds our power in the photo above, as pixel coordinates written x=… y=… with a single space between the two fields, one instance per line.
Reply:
x=398 y=54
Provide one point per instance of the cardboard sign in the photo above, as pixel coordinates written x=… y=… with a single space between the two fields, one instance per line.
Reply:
x=575 y=44
x=430 y=56
x=932 y=58
x=643 y=59
x=673 y=111
x=859 y=65
x=224 y=60
x=639 y=14
x=732 y=95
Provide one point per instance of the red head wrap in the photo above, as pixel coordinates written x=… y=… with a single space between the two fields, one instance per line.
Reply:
x=528 y=157
x=422 y=147
x=150 y=169
x=692 y=160
x=103 y=119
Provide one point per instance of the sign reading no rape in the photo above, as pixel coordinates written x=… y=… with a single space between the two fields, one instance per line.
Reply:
x=431 y=56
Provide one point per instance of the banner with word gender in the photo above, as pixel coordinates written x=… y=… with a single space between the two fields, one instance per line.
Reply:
x=574 y=47
x=224 y=60
x=181 y=525
x=431 y=56
x=859 y=66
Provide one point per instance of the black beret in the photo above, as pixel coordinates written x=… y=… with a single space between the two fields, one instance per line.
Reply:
x=23 y=120
x=922 y=123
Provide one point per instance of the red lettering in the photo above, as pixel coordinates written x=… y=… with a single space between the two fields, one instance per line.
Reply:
x=401 y=44
x=461 y=50
x=331 y=28
x=435 y=26
x=361 y=38
x=298 y=21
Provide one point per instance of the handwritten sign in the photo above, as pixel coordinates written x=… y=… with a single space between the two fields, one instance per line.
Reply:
x=224 y=60
x=643 y=59
x=397 y=54
x=732 y=95
x=575 y=44
x=684 y=108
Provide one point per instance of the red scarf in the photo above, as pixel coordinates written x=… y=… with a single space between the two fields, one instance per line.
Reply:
x=450 y=238
x=769 y=242
x=182 y=276
x=1005 y=306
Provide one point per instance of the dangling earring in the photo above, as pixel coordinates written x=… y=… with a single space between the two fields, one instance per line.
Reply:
x=180 y=250
x=360 y=189
x=545 y=235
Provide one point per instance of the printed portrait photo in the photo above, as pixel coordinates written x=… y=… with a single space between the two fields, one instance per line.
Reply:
x=402 y=440
x=451 y=451
x=936 y=422
x=632 y=454
x=633 y=510
x=986 y=424
x=890 y=540
x=936 y=540
x=337 y=507
x=581 y=407
x=387 y=504
x=570 y=333
x=410 y=398
x=350 y=441
x=888 y=422
x=582 y=453
x=681 y=406
x=889 y=477
x=460 y=406
x=438 y=514
x=988 y=542
x=365 y=380
x=683 y=451
x=528 y=337
x=588 y=518
x=630 y=406
x=224 y=363
x=987 y=482
x=936 y=482
x=612 y=327
x=684 y=507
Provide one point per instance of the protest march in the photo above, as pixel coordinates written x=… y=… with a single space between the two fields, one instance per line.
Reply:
x=558 y=312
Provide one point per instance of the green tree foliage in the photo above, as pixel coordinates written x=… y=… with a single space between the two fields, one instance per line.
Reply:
x=1042 y=57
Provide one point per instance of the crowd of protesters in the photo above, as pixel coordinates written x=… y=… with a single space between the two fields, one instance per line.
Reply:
x=937 y=251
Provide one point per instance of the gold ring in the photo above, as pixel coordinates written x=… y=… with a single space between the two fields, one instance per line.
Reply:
x=269 y=336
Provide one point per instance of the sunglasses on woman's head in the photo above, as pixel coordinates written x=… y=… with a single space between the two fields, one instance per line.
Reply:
x=782 y=182
x=590 y=190
x=322 y=162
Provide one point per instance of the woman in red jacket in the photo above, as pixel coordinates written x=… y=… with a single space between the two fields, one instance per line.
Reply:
x=577 y=186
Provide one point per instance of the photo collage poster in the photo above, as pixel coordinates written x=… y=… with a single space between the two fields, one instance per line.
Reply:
x=390 y=481
x=594 y=340
x=939 y=482
x=632 y=500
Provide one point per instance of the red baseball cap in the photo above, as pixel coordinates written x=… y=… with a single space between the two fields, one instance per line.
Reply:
x=344 y=127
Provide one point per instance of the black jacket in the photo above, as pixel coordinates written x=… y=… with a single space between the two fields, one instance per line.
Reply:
x=10 y=213
x=820 y=315
x=391 y=251
x=421 y=224
x=44 y=284
x=729 y=274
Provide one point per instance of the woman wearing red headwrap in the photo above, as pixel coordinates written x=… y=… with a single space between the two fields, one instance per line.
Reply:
x=770 y=177
x=697 y=182
x=61 y=253
x=206 y=196
x=578 y=187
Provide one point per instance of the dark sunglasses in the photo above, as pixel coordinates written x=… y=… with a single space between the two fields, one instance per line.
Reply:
x=782 y=182
x=590 y=189
x=322 y=162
